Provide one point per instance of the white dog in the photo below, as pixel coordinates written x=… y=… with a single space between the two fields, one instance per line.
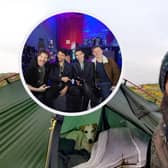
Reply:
x=84 y=137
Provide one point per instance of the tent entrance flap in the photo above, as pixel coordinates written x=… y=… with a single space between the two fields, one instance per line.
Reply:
x=53 y=145
x=115 y=121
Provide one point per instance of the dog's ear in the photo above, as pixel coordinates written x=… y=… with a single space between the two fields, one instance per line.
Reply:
x=95 y=126
x=82 y=128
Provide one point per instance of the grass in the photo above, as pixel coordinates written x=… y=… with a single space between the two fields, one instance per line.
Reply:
x=8 y=77
x=152 y=89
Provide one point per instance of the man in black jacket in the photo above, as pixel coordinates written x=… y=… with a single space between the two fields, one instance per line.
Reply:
x=59 y=78
x=83 y=73
x=36 y=75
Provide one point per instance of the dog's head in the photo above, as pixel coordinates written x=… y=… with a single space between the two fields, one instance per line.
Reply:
x=90 y=132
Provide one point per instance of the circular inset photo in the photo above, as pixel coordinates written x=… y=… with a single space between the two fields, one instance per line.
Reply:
x=71 y=64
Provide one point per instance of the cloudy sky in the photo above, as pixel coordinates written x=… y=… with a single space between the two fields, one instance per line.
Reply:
x=140 y=26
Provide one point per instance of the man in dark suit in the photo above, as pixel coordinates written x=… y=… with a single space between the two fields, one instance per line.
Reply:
x=83 y=73
x=59 y=78
x=36 y=75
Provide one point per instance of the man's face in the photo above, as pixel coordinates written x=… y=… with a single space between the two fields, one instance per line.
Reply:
x=166 y=86
x=61 y=56
x=80 y=56
x=97 y=52
x=42 y=59
x=68 y=58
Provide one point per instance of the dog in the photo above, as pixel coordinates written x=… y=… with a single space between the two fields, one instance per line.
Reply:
x=84 y=137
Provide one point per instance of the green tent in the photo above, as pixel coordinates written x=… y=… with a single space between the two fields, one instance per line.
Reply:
x=25 y=126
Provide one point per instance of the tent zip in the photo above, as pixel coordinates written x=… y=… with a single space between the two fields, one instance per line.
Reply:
x=51 y=129
x=53 y=143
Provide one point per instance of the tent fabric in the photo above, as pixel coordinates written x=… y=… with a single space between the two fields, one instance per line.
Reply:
x=115 y=147
x=25 y=126
x=116 y=120
x=73 y=123
x=24 y=129
x=12 y=93
x=54 y=155
x=136 y=109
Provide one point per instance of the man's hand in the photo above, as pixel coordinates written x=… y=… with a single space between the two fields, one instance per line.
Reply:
x=65 y=79
x=113 y=87
x=78 y=82
x=63 y=91
x=43 y=88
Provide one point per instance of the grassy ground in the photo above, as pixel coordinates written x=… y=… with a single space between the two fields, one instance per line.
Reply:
x=8 y=77
x=152 y=89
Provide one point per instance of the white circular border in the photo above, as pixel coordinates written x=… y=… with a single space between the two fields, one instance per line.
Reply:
x=94 y=109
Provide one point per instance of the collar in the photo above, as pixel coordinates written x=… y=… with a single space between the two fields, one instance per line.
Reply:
x=81 y=62
x=105 y=60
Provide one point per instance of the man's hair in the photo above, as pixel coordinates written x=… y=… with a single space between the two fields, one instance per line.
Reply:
x=79 y=49
x=63 y=50
x=96 y=47
x=42 y=51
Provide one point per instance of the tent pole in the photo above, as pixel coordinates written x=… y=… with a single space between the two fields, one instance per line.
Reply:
x=51 y=129
x=125 y=82
x=53 y=158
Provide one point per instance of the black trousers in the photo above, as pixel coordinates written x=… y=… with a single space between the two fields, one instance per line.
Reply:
x=40 y=96
x=78 y=98
x=50 y=94
x=85 y=100
x=74 y=100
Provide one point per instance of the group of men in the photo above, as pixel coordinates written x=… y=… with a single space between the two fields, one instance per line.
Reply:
x=80 y=82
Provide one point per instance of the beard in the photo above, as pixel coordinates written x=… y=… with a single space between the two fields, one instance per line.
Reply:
x=164 y=108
